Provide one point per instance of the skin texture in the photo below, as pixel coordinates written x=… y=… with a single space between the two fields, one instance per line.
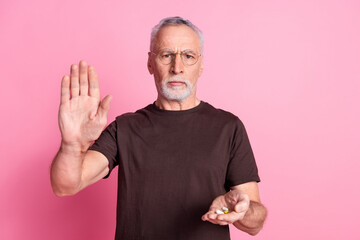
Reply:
x=245 y=210
x=82 y=117
x=178 y=39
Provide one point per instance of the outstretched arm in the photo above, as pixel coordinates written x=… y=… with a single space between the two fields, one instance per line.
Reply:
x=245 y=209
x=82 y=117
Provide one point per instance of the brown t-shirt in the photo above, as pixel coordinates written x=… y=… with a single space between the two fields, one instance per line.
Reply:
x=172 y=165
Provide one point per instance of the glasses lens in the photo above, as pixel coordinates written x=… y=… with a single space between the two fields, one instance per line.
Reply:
x=189 y=58
x=166 y=57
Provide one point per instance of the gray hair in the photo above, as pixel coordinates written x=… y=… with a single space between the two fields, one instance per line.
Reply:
x=175 y=21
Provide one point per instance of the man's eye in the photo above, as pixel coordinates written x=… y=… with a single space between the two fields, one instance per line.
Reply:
x=189 y=56
x=166 y=55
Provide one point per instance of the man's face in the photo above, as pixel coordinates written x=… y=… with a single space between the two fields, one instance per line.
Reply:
x=175 y=81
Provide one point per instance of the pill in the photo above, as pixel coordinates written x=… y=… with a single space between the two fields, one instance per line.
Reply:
x=219 y=212
x=225 y=209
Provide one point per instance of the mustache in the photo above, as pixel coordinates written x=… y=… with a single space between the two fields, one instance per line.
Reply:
x=177 y=79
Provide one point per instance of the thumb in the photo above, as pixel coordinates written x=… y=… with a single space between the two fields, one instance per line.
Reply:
x=105 y=105
x=233 y=196
x=242 y=204
x=237 y=208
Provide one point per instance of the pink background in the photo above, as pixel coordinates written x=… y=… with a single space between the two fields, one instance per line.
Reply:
x=289 y=69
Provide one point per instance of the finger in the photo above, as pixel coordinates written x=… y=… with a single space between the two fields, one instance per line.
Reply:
x=212 y=219
x=104 y=107
x=230 y=217
x=215 y=219
x=74 y=81
x=212 y=215
x=65 y=89
x=93 y=83
x=206 y=217
x=84 y=85
x=223 y=223
x=220 y=222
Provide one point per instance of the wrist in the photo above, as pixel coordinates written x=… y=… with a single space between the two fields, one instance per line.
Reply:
x=73 y=148
x=253 y=220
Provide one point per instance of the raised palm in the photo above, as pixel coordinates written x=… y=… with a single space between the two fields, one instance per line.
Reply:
x=82 y=116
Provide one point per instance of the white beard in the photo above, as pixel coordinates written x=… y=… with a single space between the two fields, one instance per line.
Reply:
x=176 y=93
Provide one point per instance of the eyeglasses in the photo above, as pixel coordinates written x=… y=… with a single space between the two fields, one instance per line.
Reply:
x=188 y=57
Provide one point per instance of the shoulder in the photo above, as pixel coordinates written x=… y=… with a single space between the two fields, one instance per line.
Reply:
x=132 y=115
x=222 y=115
x=131 y=118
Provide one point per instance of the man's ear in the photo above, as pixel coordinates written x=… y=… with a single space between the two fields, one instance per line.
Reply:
x=149 y=64
x=201 y=68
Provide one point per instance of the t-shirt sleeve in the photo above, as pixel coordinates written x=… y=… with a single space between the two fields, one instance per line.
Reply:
x=242 y=166
x=107 y=145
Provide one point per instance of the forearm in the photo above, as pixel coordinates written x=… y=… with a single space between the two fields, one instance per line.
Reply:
x=66 y=170
x=253 y=220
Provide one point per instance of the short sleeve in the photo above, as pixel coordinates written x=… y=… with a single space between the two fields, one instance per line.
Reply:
x=242 y=166
x=107 y=145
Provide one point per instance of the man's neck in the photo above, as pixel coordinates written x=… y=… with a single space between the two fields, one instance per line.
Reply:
x=170 y=105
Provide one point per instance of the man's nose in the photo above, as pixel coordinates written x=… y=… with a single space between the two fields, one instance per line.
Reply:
x=177 y=65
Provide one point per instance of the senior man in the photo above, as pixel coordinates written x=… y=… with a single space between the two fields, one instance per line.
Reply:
x=180 y=160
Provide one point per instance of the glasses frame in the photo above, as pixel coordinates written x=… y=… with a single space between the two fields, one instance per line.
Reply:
x=172 y=59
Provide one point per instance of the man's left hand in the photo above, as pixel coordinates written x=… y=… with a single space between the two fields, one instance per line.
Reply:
x=236 y=201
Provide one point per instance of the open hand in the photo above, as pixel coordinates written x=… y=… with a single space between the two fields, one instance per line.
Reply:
x=236 y=201
x=82 y=116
